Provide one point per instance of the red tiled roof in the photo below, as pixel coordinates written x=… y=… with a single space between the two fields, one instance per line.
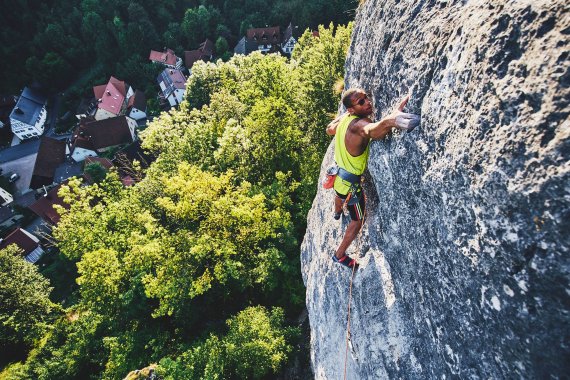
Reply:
x=112 y=96
x=272 y=34
x=177 y=78
x=193 y=56
x=168 y=57
x=98 y=91
x=81 y=142
x=21 y=239
x=44 y=205
x=105 y=162
x=204 y=52
x=51 y=154
x=102 y=134
x=207 y=47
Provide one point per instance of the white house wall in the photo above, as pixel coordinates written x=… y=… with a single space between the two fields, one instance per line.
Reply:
x=5 y=197
x=80 y=154
x=137 y=114
x=172 y=100
x=132 y=127
x=102 y=114
x=25 y=131
x=179 y=95
x=35 y=255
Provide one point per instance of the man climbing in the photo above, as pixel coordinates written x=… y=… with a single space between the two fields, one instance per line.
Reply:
x=354 y=130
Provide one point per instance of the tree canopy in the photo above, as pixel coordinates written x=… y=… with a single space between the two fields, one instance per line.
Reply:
x=25 y=307
x=57 y=42
x=210 y=234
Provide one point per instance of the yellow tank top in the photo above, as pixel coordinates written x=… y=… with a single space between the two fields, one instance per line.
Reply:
x=354 y=165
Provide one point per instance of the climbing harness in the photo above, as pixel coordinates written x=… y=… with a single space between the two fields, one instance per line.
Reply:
x=355 y=189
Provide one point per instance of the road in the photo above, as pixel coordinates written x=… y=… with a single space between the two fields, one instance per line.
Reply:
x=22 y=150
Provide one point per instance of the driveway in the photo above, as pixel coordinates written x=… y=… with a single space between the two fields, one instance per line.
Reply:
x=24 y=166
x=16 y=152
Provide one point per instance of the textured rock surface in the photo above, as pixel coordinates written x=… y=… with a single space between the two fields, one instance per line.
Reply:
x=465 y=253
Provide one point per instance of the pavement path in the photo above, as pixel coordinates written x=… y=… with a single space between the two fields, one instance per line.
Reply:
x=22 y=150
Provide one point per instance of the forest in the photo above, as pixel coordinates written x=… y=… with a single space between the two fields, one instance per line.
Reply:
x=68 y=46
x=196 y=267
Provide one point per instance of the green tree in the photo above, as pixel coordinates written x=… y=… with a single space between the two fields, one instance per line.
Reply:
x=141 y=32
x=52 y=70
x=96 y=171
x=321 y=66
x=256 y=345
x=221 y=46
x=25 y=307
x=226 y=237
x=196 y=25
x=69 y=350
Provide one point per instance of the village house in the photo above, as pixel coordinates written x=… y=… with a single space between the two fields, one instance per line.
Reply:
x=8 y=219
x=289 y=40
x=28 y=243
x=166 y=58
x=203 y=53
x=136 y=106
x=44 y=205
x=51 y=154
x=5 y=197
x=29 y=115
x=172 y=87
x=267 y=40
x=92 y=138
x=112 y=98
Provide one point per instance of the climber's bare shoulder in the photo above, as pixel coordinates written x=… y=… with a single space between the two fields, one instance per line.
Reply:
x=357 y=127
x=356 y=139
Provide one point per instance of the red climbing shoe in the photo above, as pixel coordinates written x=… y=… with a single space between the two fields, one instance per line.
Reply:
x=345 y=260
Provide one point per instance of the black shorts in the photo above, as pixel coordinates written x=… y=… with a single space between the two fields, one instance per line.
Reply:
x=356 y=211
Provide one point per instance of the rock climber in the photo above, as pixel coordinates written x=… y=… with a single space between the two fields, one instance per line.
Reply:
x=354 y=129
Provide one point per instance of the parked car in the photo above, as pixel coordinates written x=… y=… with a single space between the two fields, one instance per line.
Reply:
x=13 y=177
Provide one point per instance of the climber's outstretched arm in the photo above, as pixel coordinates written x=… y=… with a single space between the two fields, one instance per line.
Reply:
x=382 y=128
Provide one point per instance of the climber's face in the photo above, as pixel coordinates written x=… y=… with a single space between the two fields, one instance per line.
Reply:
x=361 y=105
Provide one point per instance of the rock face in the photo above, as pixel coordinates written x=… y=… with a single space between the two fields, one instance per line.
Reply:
x=464 y=257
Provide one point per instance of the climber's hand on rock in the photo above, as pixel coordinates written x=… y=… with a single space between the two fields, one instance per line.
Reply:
x=403 y=120
x=407 y=121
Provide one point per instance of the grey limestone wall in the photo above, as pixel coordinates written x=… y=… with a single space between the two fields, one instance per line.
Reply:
x=465 y=253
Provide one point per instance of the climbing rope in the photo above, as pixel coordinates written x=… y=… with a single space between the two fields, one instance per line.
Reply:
x=349 y=299
x=348 y=320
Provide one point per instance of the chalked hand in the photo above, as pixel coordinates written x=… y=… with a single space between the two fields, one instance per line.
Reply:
x=407 y=121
